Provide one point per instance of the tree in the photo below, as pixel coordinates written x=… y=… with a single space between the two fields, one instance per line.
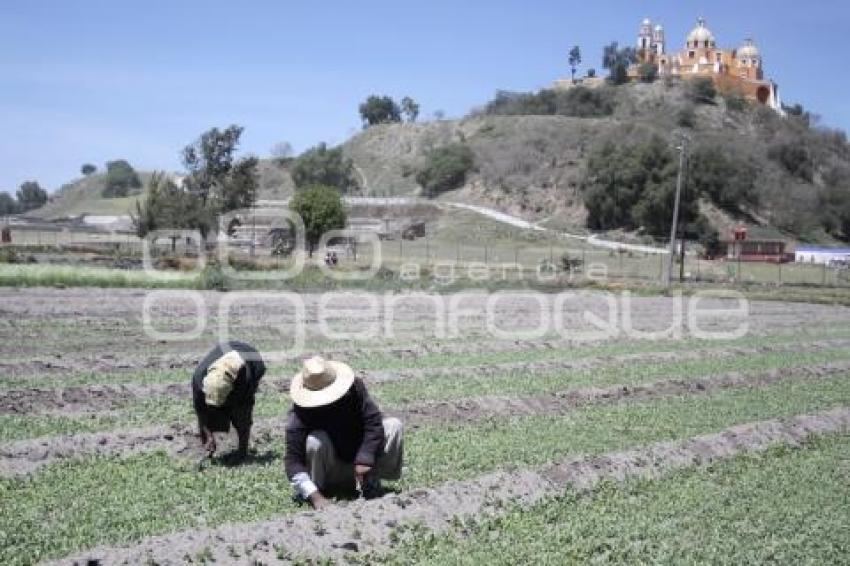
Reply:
x=219 y=181
x=648 y=73
x=282 y=151
x=575 y=60
x=445 y=168
x=321 y=209
x=31 y=196
x=322 y=166
x=617 y=62
x=591 y=73
x=632 y=185
x=723 y=177
x=379 y=110
x=87 y=169
x=410 y=108
x=165 y=206
x=8 y=205
x=120 y=178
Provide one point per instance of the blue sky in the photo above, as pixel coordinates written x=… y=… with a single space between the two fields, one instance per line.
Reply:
x=94 y=80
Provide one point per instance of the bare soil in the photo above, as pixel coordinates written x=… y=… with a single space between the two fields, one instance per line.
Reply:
x=362 y=527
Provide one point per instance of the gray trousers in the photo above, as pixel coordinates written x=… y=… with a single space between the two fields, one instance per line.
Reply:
x=327 y=471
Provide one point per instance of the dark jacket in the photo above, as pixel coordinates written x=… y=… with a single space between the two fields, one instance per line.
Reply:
x=354 y=424
x=240 y=401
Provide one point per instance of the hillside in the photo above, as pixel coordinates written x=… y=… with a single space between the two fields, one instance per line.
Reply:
x=533 y=165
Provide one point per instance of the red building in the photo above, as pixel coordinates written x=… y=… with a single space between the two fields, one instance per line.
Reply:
x=740 y=248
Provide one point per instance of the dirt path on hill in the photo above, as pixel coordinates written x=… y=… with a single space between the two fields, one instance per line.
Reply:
x=361 y=527
x=27 y=456
x=106 y=397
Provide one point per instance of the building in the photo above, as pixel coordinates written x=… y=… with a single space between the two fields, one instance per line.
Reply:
x=742 y=248
x=732 y=70
x=821 y=255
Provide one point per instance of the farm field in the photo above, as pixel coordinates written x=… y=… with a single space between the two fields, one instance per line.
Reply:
x=644 y=440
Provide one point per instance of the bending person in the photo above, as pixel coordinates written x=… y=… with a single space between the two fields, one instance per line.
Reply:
x=337 y=440
x=223 y=389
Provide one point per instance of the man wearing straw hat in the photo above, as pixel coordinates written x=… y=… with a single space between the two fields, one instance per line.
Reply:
x=224 y=386
x=337 y=440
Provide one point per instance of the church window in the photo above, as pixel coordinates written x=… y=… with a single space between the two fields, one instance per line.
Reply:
x=691 y=54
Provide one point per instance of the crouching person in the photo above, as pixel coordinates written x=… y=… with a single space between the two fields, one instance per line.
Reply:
x=224 y=386
x=337 y=440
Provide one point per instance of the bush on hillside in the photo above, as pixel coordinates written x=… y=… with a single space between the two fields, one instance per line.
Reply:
x=648 y=73
x=793 y=155
x=701 y=91
x=579 y=102
x=445 y=168
x=323 y=166
x=728 y=180
x=120 y=178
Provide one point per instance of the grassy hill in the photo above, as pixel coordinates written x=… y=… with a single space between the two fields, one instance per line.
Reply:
x=532 y=163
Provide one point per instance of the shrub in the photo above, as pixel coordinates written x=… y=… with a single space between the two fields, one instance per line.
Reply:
x=701 y=91
x=794 y=156
x=579 y=102
x=686 y=117
x=321 y=209
x=725 y=178
x=120 y=178
x=322 y=166
x=648 y=72
x=445 y=168
x=212 y=278
x=87 y=169
x=735 y=102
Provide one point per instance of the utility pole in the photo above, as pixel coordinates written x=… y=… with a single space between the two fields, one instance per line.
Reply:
x=668 y=273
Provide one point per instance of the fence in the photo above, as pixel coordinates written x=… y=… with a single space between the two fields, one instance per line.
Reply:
x=495 y=260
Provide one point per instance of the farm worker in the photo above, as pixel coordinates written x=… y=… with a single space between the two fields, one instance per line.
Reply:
x=223 y=389
x=337 y=440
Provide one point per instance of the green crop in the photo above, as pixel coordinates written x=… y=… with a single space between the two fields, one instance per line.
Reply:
x=786 y=506
x=123 y=499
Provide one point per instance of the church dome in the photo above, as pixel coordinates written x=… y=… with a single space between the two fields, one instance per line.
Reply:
x=749 y=51
x=700 y=34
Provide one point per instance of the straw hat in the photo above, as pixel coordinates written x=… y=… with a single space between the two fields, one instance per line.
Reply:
x=320 y=382
x=218 y=383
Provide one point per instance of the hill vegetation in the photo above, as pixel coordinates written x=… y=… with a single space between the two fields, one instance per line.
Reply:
x=545 y=155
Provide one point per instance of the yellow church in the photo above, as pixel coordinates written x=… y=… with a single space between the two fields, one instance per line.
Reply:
x=737 y=70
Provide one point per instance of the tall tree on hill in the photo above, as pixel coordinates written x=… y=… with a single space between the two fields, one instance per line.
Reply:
x=379 y=110
x=410 y=108
x=31 y=196
x=87 y=169
x=575 y=60
x=217 y=179
x=617 y=62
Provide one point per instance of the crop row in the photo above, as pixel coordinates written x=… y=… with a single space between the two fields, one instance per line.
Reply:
x=152 y=493
x=156 y=410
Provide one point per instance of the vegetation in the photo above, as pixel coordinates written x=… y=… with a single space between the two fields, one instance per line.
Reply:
x=8 y=204
x=580 y=102
x=617 y=61
x=323 y=166
x=701 y=91
x=30 y=196
x=410 y=108
x=88 y=169
x=784 y=505
x=321 y=209
x=793 y=155
x=725 y=178
x=574 y=61
x=379 y=110
x=121 y=178
x=647 y=73
x=445 y=168
x=282 y=152
x=632 y=186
